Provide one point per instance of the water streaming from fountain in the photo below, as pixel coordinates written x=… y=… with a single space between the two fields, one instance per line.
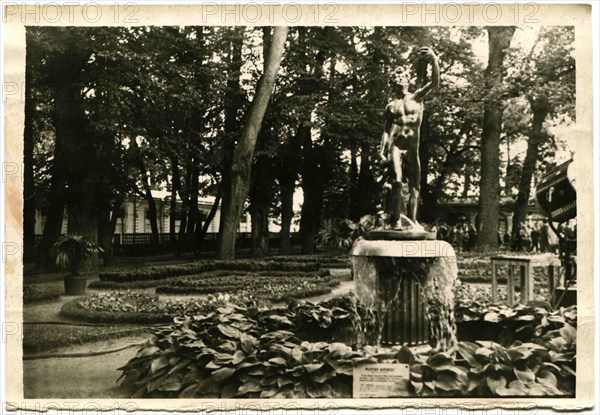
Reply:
x=409 y=285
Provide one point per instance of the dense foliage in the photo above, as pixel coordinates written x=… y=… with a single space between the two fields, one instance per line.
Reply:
x=324 y=261
x=114 y=112
x=250 y=352
x=72 y=250
x=33 y=294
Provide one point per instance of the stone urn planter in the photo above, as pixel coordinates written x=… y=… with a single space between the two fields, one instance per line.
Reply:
x=72 y=250
x=75 y=285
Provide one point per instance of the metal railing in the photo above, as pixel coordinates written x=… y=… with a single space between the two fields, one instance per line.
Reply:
x=132 y=244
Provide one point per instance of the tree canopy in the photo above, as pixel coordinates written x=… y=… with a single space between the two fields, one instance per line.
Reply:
x=113 y=112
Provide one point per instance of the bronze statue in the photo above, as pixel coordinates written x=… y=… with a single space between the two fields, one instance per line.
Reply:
x=400 y=144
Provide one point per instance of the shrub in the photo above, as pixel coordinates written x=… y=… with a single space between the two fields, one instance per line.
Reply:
x=239 y=353
x=166 y=271
x=72 y=310
x=543 y=368
x=72 y=250
x=327 y=261
x=506 y=324
x=33 y=294
x=204 y=275
x=250 y=353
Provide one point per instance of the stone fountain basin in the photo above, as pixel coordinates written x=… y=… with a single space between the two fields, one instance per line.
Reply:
x=409 y=284
x=403 y=248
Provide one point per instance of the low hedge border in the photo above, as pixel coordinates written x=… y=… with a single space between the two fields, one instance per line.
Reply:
x=71 y=310
x=36 y=339
x=207 y=274
x=251 y=280
x=324 y=261
x=303 y=294
x=35 y=294
x=157 y=273
x=273 y=298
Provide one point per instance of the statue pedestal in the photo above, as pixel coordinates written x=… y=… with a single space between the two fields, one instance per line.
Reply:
x=409 y=285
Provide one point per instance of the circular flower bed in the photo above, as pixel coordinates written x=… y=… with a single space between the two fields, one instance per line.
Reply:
x=273 y=288
x=139 y=307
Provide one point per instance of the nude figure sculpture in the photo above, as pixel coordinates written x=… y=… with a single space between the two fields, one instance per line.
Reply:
x=400 y=144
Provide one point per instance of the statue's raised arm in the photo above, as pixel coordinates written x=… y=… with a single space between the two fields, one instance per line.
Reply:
x=426 y=57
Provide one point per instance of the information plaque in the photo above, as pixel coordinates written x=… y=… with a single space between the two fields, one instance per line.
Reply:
x=381 y=380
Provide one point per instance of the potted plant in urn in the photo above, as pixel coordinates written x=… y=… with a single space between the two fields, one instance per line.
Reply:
x=72 y=250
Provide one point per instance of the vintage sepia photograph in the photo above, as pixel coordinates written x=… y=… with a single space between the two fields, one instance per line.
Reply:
x=335 y=209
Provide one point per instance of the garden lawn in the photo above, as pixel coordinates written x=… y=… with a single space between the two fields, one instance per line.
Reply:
x=44 y=337
x=81 y=377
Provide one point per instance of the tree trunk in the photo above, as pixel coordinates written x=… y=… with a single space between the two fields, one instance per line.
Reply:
x=289 y=166
x=80 y=159
x=540 y=108
x=489 y=198
x=312 y=187
x=172 y=214
x=209 y=218
x=467 y=184
x=62 y=115
x=261 y=185
x=178 y=187
x=314 y=170
x=83 y=201
x=193 y=212
x=105 y=235
x=259 y=214
x=233 y=103
x=55 y=213
x=181 y=237
x=287 y=214
x=185 y=196
x=260 y=201
x=353 y=185
x=28 y=178
x=106 y=231
x=152 y=215
x=366 y=183
x=236 y=192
